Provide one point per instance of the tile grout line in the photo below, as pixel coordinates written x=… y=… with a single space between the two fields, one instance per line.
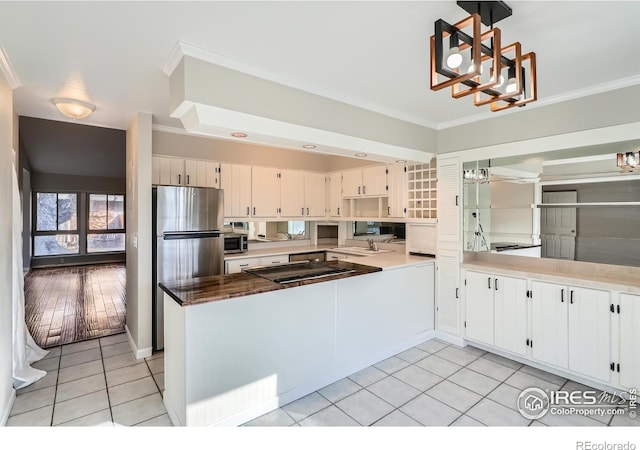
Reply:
x=55 y=393
x=106 y=385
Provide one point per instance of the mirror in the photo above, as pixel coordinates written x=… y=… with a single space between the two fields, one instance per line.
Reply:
x=573 y=204
x=270 y=231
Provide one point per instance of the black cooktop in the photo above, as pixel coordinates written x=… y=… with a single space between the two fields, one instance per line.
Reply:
x=298 y=271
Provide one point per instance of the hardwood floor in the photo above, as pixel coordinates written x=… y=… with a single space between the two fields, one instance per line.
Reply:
x=71 y=304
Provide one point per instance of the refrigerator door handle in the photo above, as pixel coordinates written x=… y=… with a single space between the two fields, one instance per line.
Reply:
x=167 y=236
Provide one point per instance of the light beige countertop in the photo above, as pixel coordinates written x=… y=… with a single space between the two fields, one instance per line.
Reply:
x=614 y=278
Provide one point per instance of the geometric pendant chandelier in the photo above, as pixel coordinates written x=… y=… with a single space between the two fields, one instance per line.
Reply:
x=475 y=63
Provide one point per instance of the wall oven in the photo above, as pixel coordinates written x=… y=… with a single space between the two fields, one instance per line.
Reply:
x=235 y=243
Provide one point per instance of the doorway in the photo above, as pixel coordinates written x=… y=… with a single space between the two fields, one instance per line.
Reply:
x=558 y=226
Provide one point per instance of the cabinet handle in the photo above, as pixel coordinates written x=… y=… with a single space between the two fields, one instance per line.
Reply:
x=338 y=210
x=254 y=210
x=302 y=211
x=244 y=265
x=358 y=190
x=364 y=190
x=247 y=210
x=456 y=200
x=571 y=296
x=495 y=284
x=187 y=179
x=179 y=179
x=562 y=295
x=388 y=210
x=307 y=211
x=457 y=289
x=489 y=282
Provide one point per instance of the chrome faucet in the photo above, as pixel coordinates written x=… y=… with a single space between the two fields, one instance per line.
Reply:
x=372 y=245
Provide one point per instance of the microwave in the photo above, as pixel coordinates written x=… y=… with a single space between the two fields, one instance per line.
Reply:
x=235 y=243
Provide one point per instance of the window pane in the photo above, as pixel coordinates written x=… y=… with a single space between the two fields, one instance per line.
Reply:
x=67 y=212
x=107 y=242
x=97 y=212
x=46 y=212
x=61 y=244
x=116 y=212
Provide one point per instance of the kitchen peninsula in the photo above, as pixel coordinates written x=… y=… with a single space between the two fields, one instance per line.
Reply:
x=238 y=346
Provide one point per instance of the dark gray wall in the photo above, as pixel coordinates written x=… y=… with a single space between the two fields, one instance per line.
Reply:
x=61 y=183
x=607 y=234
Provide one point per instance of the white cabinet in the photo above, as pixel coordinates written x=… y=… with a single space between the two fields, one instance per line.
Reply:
x=366 y=182
x=265 y=192
x=333 y=256
x=629 y=365
x=335 y=194
x=510 y=314
x=479 y=307
x=235 y=180
x=237 y=265
x=549 y=320
x=274 y=260
x=292 y=194
x=314 y=194
x=199 y=173
x=590 y=332
x=448 y=197
x=167 y=171
x=397 y=181
x=448 y=303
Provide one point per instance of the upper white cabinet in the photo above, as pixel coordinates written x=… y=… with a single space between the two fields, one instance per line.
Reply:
x=167 y=171
x=397 y=182
x=315 y=194
x=334 y=181
x=366 y=182
x=292 y=193
x=265 y=192
x=629 y=362
x=448 y=198
x=235 y=180
x=171 y=171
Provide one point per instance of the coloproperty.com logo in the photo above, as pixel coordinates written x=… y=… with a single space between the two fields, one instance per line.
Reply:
x=535 y=403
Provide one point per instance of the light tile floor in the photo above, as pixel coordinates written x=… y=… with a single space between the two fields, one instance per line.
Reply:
x=94 y=383
x=99 y=382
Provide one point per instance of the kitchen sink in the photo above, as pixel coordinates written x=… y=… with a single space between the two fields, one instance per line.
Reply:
x=359 y=250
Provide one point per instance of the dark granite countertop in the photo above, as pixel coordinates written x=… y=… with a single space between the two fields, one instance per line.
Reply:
x=222 y=287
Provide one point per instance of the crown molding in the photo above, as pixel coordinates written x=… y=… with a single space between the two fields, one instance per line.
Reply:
x=571 y=95
x=182 y=49
x=7 y=69
x=168 y=129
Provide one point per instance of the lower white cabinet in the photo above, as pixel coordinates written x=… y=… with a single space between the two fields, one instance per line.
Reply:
x=549 y=321
x=479 y=307
x=332 y=256
x=629 y=364
x=511 y=318
x=448 y=292
x=236 y=265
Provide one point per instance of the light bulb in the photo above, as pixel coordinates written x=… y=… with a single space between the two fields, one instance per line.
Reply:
x=630 y=159
x=512 y=86
x=454 y=59
x=500 y=81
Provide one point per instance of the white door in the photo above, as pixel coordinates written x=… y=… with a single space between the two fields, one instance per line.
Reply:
x=265 y=192
x=590 y=332
x=315 y=194
x=397 y=179
x=352 y=183
x=374 y=181
x=629 y=341
x=479 y=306
x=549 y=323
x=510 y=319
x=292 y=193
x=335 y=194
x=448 y=192
x=448 y=303
x=558 y=225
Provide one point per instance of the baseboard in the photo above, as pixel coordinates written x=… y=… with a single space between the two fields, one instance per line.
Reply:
x=139 y=353
x=175 y=421
x=4 y=418
x=450 y=338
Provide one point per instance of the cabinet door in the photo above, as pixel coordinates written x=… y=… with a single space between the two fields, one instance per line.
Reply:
x=352 y=183
x=155 y=170
x=448 y=314
x=629 y=341
x=164 y=165
x=208 y=174
x=590 y=332
x=236 y=265
x=374 y=181
x=314 y=194
x=291 y=193
x=191 y=173
x=177 y=172
x=274 y=260
x=397 y=180
x=331 y=256
x=265 y=192
x=449 y=179
x=549 y=323
x=226 y=183
x=242 y=190
x=510 y=318
x=335 y=194
x=479 y=307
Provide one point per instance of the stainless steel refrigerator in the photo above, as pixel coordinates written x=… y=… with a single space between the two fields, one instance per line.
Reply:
x=189 y=241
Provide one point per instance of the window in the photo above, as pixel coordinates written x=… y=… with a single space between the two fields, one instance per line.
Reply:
x=56 y=224
x=106 y=223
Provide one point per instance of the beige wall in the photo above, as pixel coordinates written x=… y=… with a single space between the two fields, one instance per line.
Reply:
x=607 y=109
x=6 y=260
x=138 y=200
x=196 y=147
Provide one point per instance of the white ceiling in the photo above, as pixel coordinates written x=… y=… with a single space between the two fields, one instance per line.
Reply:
x=371 y=54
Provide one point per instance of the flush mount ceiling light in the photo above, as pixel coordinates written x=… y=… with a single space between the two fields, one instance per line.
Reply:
x=239 y=135
x=361 y=155
x=75 y=109
x=473 y=62
x=309 y=146
x=629 y=160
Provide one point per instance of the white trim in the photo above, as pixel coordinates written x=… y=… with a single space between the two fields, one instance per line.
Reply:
x=580 y=159
x=572 y=95
x=450 y=338
x=137 y=353
x=575 y=205
x=182 y=49
x=7 y=69
x=168 y=129
x=7 y=409
x=603 y=179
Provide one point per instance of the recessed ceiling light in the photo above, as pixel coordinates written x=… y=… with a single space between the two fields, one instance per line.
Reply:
x=401 y=161
x=361 y=155
x=309 y=146
x=239 y=135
